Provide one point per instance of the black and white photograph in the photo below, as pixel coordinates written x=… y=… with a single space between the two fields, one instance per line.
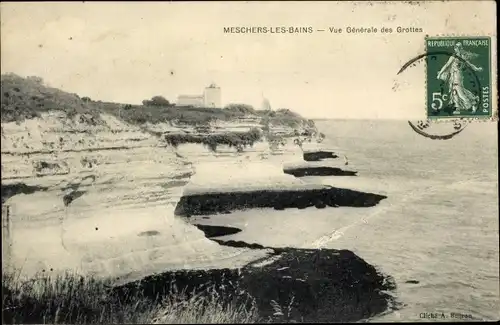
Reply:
x=195 y=162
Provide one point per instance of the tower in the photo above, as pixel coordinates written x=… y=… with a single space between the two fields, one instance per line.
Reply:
x=212 y=96
x=266 y=105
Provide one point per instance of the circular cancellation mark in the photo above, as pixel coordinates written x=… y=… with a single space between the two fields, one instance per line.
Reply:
x=425 y=127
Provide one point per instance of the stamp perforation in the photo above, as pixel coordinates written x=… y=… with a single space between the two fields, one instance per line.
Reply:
x=493 y=115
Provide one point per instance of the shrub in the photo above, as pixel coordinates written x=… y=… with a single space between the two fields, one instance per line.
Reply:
x=320 y=138
x=157 y=101
x=241 y=108
x=236 y=140
x=275 y=141
x=304 y=136
x=28 y=98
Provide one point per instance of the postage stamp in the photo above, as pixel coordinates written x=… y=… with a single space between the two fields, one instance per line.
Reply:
x=458 y=77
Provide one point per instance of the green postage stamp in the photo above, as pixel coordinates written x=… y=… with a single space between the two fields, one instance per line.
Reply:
x=458 y=77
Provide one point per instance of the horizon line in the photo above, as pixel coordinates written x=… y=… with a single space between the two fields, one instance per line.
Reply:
x=48 y=85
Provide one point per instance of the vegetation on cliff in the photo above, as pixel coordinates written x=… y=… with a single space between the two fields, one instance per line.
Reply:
x=238 y=140
x=27 y=98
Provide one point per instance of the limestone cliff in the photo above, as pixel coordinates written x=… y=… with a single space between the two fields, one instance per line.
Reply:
x=88 y=191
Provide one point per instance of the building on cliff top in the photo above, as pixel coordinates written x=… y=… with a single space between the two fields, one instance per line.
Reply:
x=266 y=105
x=211 y=98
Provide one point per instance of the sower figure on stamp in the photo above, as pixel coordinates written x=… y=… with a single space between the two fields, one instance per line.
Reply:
x=452 y=73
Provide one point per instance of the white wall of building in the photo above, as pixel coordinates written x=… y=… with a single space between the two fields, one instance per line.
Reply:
x=212 y=96
x=188 y=100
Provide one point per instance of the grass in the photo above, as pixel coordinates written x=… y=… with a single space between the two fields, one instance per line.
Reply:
x=72 y=299
x=23 y=98
x=198 y=116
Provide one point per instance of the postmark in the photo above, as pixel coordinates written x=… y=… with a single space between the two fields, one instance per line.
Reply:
x=458 y=84
x=443 y=93
x=435 y=131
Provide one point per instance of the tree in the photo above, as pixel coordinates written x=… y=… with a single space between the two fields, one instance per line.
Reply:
x=157 y=101
x=160 y=101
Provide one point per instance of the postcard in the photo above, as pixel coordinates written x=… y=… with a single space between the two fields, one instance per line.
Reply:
x=249 y=162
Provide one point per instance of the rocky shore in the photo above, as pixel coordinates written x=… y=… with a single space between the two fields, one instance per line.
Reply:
x=292 y=285
x=104 y=197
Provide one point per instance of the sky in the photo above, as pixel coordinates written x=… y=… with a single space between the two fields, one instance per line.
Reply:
x=129 y=51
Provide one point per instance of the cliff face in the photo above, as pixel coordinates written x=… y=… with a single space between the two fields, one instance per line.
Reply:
x=92 y=186
x=57 y=145
x=98 y=198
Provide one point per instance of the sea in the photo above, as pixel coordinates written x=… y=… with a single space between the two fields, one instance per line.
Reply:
x=437 y=234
